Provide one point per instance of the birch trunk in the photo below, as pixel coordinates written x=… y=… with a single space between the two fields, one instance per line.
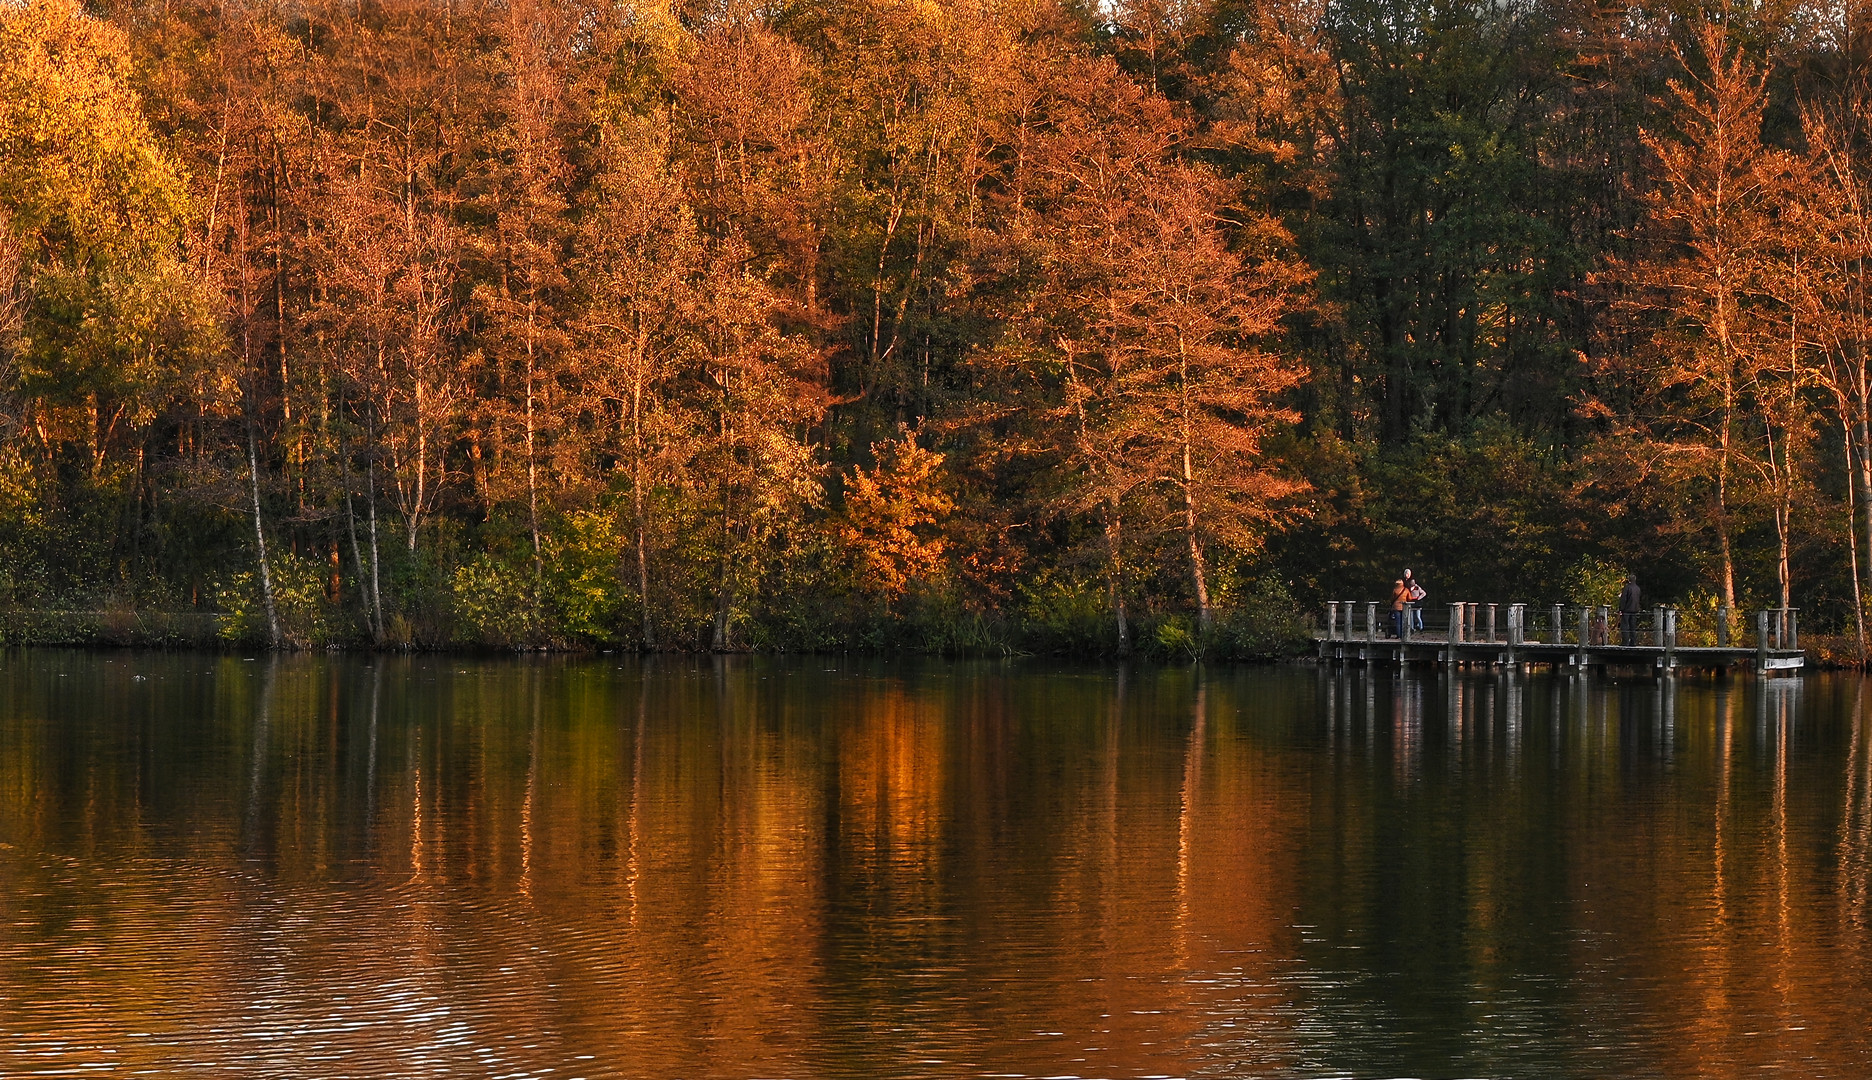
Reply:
x=266 y=574
x=532 y=460
x=1852 y=536
x=637 y=509
x=1115 y=574
x=1722 y=518
x=723 y=601
x=370 y=500
x=357 y=552
x=1199 y=576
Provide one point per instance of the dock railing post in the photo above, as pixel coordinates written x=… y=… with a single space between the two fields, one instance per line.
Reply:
x=1761 y=643
x=1722 y=626
x=1670 y=639
x=1332 y=620
x=1517 y=623
x=1585 y=634
x=1491 y=623
x=1455 y=626
x=1657 y=627
x=1559 y=626
x=1404 y=626
x=1371 y=621
x=1793 y=631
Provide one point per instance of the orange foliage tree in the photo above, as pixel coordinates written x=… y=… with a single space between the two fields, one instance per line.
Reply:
x=1706 y=286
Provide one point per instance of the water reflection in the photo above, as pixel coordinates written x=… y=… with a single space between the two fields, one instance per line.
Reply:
x=312 y=867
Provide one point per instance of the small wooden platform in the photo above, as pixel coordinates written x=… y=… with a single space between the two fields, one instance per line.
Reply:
x=1431 y=651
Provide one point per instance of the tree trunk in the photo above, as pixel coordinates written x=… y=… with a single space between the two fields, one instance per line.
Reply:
x=643 y=568
x=723 y=601
x=1852 y=536
x=1115 y=574
x=1722 y=519
x=1865 y=488
x=718 y=640
x=1781 y=565
x=370 y=501
x=412 y=515
x=723 y=592
x=357 y=560
x=532 y=462
x=637 y=507
x=1199 y=575
x=266 y=574
x=371 y=620
x=1784 y=512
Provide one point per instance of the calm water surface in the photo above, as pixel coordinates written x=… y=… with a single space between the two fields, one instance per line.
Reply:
x=313 y=867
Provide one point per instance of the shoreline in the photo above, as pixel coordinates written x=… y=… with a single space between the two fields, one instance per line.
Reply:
x=205 y=631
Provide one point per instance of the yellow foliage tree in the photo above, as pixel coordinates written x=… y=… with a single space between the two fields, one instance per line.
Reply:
x=893 y=517
x=109 y=322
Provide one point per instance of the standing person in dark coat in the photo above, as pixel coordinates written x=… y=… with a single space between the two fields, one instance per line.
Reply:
x=1629 y=604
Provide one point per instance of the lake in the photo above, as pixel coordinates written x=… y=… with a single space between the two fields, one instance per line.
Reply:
x=810 y=867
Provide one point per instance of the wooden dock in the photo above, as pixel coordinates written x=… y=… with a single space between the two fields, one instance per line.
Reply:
x=1572 y=639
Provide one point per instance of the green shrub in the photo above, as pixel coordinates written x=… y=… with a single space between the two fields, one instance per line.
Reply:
x=306 y=618
x=497 y=603
x=584 y=597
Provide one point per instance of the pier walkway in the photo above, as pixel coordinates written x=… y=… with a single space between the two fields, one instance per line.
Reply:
x=1487 y=635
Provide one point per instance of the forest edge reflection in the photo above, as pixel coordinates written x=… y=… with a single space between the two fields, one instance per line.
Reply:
x=761 y=865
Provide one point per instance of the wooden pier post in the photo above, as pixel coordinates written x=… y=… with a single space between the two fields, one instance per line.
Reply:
x=1559 y=629
x=1761 y=643
x=1371 y=621
x=1670 y=639
x=1517 y=624
x=1491 y=623
x=1332 y=620
x=1722 y=626
x=1657 y=627
x=1585 y=635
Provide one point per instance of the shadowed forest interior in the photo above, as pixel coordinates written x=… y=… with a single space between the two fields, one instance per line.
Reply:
x=955 y=325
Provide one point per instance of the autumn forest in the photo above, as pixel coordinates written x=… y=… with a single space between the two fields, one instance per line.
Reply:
x=950 y=325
